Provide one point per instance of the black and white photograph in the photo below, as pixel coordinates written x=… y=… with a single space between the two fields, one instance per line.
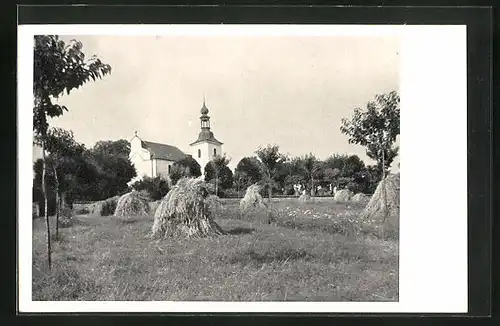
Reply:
x=221 y=165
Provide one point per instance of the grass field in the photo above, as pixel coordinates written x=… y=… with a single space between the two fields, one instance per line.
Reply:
x=311 y=252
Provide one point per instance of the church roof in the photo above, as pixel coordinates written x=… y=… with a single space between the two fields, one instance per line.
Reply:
x=206 y=136
x=164 y=151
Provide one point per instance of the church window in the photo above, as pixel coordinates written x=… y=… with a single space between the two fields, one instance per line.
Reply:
x=169 y=169
x=199 y=153
x=215 y=151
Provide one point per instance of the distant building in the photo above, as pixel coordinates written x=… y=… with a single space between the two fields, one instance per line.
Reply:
x=155 y=159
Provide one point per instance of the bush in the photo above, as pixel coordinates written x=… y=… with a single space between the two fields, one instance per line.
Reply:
x=156 y=187
x=229 y=193
x=104 y=207
x=354 y=187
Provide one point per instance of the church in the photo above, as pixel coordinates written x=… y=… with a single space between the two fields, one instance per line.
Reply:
x=155 y=159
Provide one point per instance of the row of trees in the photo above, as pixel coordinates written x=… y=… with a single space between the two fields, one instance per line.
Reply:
x=279 y=173
x=77 y=173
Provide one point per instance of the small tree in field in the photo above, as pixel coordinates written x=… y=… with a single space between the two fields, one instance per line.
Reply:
x=248 y=171
x=219 y=174
x=313 y=169
x=376 y=129
x=271 y=158
x=64 y=152
x=58 y=68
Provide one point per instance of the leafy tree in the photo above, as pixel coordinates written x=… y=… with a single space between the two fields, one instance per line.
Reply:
x=186 y=167
x=330 y=175
x=50 y=186
x=368 y=179
x=376 y=128
x=178 y=172
x=271 y=159
x=57 y=68
x=248 y=171
x=291 y=173
x=156 y=187
x=64 y=152
x=313 y=169
x=113 y=167
x=219 y=174
x=290 y=181
x=119 y=148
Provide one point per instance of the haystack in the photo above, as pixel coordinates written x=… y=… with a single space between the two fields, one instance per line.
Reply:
x=153 y=205
x=305 y=197
x=384 y=204
x=184 y=211
x=132 y=204
x=213 y=204
x=343 y=195
x=104 y=207
x=360 y=197
x=252 y=199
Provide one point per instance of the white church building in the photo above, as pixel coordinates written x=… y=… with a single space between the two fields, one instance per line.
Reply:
x=155 y=159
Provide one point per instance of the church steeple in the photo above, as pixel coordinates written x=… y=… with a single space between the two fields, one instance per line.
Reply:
x=206 y=147
x=205 y=133
x=205 y=119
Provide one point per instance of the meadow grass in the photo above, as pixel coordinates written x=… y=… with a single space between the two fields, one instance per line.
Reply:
x=303 y=255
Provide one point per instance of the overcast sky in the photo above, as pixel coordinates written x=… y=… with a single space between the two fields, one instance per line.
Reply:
x=292 y=91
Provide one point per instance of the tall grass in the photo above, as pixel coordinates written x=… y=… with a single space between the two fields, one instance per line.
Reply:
x=298 y=257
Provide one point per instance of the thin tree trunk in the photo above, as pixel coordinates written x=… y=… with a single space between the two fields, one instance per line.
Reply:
x=58 y=202
x=46 y=215
x=383 y=164
x=270 y=187
x=384 y=190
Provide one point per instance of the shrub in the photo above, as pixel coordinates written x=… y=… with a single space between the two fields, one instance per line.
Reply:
x=104 y=207
x=156 y=187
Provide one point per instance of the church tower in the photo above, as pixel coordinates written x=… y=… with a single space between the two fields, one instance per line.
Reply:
x=206 y=146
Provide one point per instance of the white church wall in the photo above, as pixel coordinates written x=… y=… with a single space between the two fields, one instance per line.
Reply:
x=211 y=148
x=207 y=152
x=140 y=158
x=203 y=160
x=162 y=168
x=142 y=164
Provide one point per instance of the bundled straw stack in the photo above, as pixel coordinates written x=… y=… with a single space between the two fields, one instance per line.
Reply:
x=184 y=212
x=132 y=204
x=252 y=199
x=104 y=207
x=343 y=195
x=360 y=197
x=384 y=204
